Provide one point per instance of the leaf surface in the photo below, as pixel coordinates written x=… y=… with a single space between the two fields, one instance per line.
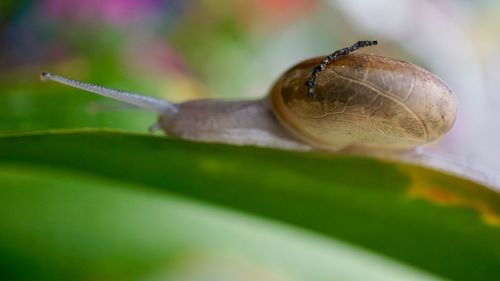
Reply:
x=436 y=222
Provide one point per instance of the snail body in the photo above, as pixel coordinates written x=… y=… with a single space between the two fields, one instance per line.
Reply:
x=358 y=101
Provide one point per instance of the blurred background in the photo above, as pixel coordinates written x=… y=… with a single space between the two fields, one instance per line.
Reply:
x=182 y=50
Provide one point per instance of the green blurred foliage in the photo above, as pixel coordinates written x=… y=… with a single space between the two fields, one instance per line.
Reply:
x=439 y=223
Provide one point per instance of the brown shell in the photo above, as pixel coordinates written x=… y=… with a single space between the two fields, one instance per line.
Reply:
x=366 y=101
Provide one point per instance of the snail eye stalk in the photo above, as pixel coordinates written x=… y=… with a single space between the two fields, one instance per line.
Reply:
x=146 y=102
x=311 y=82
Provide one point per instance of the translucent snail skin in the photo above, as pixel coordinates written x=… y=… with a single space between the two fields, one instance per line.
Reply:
x=341 y=101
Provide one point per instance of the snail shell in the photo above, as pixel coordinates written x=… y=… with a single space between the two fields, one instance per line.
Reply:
x=365 y=101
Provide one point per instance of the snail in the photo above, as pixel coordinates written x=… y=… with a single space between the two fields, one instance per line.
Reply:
x=344 y=101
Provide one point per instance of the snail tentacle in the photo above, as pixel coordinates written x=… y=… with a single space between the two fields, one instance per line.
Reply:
x=311 y=82
x=158 y=105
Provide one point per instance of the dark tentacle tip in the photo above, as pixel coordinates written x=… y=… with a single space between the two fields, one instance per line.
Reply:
x=45 y=76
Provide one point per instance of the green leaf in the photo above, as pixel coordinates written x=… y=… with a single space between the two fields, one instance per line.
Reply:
x=56 y=225
x=439 y=223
